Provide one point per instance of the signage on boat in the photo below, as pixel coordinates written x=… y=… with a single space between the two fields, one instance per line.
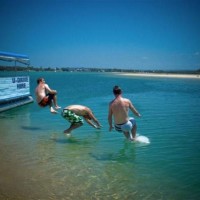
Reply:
x=14 y=87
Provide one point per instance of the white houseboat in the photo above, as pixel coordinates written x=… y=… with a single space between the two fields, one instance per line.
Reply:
x=14 y=90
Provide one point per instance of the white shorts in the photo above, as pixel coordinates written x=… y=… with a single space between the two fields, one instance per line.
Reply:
x=126 y=127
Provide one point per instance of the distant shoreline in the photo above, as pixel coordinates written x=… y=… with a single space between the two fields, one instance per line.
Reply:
x=165 y=75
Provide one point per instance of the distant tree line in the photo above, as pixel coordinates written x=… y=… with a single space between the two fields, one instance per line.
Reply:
x=85 y=69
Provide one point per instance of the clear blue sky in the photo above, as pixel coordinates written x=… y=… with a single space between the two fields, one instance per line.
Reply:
x=135 y=34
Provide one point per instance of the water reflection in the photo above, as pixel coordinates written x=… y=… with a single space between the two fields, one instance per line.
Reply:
x=124 y=154
x=71 y=139
x=31 y=128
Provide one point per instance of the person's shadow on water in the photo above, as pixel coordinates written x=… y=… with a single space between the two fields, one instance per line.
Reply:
x=71 y=139
x=31 y=128
x=125 y=154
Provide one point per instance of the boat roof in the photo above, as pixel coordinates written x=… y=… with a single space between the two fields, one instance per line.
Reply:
x=7 y=56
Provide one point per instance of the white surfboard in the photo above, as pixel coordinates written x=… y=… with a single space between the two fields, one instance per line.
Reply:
x=142 y=139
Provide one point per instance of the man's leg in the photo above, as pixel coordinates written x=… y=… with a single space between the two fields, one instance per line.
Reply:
x=126 y=134
x=55 y=102
x=72 y=127
x=133 y=131
x=51 y=108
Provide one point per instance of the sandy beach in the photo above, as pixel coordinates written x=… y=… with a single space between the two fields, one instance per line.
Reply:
x=165 y=75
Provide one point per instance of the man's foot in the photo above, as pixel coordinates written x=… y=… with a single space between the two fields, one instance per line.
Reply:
x=57 y=107
x=53 y=111
x=133 y=139
x=67 y=132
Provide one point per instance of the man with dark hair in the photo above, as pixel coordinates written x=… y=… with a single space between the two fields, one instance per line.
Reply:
x=45 y=95
x=118 y=108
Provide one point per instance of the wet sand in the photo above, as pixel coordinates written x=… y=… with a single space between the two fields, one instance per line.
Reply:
x=164 y=75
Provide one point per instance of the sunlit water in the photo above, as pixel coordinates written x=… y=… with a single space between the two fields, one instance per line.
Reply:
x=39 y=162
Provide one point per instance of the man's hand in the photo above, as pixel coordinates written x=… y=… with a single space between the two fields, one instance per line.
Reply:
x=97 y=127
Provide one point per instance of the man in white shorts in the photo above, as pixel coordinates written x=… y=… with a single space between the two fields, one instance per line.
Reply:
x=118 y=108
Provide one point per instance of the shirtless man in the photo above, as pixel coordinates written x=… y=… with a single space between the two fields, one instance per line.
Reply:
x=118 y=108
x=45 y=95
x=73 y=114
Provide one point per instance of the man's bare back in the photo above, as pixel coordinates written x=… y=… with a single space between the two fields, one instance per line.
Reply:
x=79 y=109
x=119 y=107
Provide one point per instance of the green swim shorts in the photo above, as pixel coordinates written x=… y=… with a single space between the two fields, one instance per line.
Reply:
x=71 y=117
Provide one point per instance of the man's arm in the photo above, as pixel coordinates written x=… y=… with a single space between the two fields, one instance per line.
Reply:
x=133 y=109
x=91 y=123
x=94 y=119
x=49 y=90
x=110 y=118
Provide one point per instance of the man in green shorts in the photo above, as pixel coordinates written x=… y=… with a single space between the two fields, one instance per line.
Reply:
x=73 y=114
